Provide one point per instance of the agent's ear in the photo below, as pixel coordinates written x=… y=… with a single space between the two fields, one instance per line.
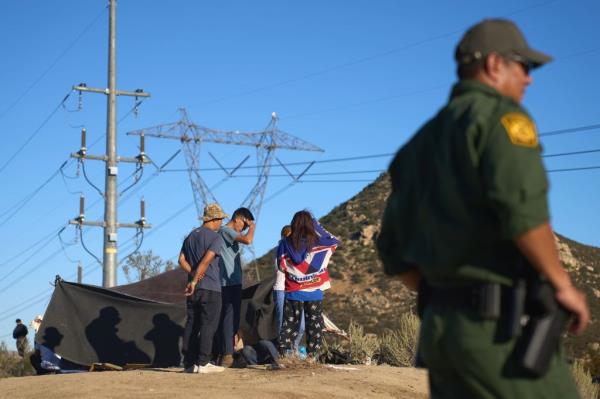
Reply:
x=494 y=66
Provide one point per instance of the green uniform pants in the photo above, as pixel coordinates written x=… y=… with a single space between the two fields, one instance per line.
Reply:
x=22 y=345
x=466 y=361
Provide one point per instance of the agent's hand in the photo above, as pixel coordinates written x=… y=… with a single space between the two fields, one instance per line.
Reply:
x=189 y=289
x=574 y=300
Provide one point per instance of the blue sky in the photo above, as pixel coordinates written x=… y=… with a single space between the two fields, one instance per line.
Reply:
x=355 y=78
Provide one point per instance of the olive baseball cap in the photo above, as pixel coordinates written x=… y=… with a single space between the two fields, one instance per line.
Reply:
x=497 y=36
x=213 y=211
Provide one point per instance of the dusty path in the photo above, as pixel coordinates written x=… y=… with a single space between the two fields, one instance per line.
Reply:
x=367 y=381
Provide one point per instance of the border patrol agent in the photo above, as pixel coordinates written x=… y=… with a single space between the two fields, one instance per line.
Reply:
x=468 y=202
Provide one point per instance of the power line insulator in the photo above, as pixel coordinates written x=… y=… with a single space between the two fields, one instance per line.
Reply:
x=81 y=217
x=142 y=221
x=83 y=149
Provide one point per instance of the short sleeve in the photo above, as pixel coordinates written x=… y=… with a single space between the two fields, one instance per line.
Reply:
x=228 y=235
x=513 y=174
x=185 y=247
x=216 y=245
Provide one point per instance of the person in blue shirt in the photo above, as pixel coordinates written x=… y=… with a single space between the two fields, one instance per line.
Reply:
x=199 y=257
x=230 y=263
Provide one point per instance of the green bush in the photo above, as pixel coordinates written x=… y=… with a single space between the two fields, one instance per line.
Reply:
x=398 y=347
x=583 y=379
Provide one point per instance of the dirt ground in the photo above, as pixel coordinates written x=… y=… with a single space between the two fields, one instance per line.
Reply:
x=362 y=381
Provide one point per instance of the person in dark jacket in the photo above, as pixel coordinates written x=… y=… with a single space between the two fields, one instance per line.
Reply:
x=20 y=334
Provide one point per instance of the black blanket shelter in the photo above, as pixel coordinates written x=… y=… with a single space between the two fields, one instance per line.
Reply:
x=140 y=323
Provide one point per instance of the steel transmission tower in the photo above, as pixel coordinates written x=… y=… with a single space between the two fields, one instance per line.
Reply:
x=192 y=136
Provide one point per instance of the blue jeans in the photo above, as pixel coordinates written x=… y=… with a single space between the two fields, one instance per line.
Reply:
x=279 y=299
x=262 y=353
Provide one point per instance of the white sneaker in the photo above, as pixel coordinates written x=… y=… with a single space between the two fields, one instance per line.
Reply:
x=210 y=368
x=191 y=370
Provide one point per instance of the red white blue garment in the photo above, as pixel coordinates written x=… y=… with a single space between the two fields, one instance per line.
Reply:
x=305 y=270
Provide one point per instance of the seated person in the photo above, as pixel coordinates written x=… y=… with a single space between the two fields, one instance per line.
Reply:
x=255 y=352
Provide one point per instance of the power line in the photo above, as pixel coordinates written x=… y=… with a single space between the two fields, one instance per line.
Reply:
x=88 y=180
x=30 y=196
x=368 y=102
x=14 y=269
x=30 y=270
x=338 y=181
x=35 y=132
x=574 y=169
x=298 y=163
x=32 y=246
x=40 y=298
x=85 y=246
x=50 y=235
x=564 y=154
x=570 y=130
x=350 y=172
x=360 y=60
x=21 y=203
x=52 y=65
x=389 y=154
x=333 y=181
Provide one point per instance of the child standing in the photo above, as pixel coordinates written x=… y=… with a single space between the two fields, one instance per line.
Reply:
x=303 y=257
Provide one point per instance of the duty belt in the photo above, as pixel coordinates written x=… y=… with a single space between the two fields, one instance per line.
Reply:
x=484 y=298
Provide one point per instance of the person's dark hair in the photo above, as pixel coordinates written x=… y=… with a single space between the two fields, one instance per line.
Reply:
x=243 y=213
x=470 y=69
x=303 y=231
x=18 y=321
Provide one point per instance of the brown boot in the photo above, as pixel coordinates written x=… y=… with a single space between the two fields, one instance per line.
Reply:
x=226 y=361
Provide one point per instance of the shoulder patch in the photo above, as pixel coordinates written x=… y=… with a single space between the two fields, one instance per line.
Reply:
x=521 y=130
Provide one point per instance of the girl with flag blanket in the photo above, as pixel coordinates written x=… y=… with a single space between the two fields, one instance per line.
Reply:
x=303 y=257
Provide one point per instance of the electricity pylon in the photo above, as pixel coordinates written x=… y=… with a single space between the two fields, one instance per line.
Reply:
x=266 y=143
x=192 y=136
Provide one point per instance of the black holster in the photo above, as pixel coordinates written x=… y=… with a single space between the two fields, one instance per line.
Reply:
x=540 y=339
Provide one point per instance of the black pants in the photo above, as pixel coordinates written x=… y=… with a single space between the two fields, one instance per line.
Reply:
x=203 y=309
x=229 y=322
x=314 y=325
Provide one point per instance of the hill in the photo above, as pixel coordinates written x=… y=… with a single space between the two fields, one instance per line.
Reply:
x=361 y=292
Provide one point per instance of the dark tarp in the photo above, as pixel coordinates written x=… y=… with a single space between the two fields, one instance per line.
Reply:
x=136 y=323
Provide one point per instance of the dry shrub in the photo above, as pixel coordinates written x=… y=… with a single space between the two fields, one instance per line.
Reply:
x=11 y=364
x=333 y=343
x=583 y=379
x=593 y=364
x=362 y=346
x=293 y=362
x=399 y=347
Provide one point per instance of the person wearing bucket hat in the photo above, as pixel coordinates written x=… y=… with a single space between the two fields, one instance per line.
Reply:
x=468 y=217
x=199 y=257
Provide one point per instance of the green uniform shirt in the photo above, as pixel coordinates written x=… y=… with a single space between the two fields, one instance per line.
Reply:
x=463 y=187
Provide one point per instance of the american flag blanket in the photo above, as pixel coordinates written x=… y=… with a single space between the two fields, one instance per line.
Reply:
x=306 y=270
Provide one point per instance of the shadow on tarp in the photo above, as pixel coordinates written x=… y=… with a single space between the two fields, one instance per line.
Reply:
x=90 y=324
x=102 y=326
